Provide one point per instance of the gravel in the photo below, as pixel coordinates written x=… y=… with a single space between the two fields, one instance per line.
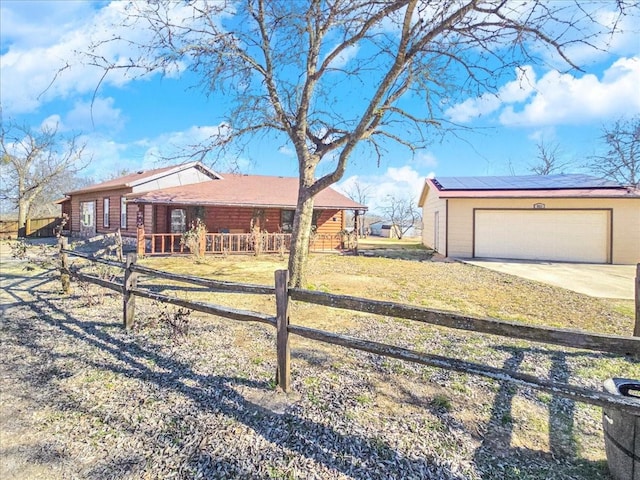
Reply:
x=82 y=398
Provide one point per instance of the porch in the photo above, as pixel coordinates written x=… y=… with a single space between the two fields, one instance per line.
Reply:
x=149 y=244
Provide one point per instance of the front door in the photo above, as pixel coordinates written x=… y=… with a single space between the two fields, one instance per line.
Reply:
x=178 y=220
x=88 y=218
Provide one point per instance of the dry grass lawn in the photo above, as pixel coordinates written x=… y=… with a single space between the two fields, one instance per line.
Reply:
x=353 y=415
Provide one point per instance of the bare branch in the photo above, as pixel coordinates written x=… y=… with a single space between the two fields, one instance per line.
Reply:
x=291 y=68
x=621 y=162
x=36 y=162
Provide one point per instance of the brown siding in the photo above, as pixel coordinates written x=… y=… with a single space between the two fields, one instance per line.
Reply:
x=238 y=220
x=230 y=218
x=132 y=218
x=273 y=217
x=114 y=211
x=161 y=219
x=66 y=209
x=326 y=223
x=148 y=218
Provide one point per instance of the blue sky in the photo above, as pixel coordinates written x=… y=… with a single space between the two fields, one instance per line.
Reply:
x=131 y=121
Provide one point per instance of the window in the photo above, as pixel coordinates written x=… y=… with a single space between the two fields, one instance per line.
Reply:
x=123 y=213
x=178 y=220
x=105 y=212
x=286 y=218
x=314 y=220
x=87 y=210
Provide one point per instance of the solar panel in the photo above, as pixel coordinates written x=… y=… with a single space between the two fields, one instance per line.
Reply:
x=524 y=182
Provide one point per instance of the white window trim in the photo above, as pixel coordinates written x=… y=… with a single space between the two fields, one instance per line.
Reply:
x=106 y=205
x=123 y=213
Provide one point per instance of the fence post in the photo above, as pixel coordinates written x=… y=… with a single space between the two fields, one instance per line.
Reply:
x=283 y=371
x=119 y=245
x=64 y=265
x=202 y=242
x=140 y=244
x=129 y=300
x=636 y=330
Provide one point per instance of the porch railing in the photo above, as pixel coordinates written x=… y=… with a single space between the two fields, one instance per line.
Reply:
x=237 y=243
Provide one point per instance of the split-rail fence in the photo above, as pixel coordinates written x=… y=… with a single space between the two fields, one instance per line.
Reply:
x=625 y=346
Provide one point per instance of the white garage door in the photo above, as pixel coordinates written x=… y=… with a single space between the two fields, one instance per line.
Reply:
x=561 y=235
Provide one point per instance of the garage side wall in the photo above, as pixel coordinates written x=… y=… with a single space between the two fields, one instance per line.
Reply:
x=434 y=222
x=625 y=222
x=626 y=231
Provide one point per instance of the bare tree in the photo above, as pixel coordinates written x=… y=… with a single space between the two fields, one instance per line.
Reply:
x=331 y=75
x=549 y=161
x=621 y=162
x=403 y=212
x=34 y=162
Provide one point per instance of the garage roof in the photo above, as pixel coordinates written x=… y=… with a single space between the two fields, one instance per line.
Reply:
x=527 y=186
x=523 y=182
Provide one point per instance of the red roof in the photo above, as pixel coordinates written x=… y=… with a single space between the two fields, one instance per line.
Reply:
x=244 y=191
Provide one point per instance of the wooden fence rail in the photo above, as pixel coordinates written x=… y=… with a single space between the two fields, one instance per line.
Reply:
x=216 y=285
x=570 y=391
x=220 y=311
x=556 y=336
x=615 y=344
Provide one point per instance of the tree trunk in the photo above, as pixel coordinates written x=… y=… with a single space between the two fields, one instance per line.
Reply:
x=23 y=209
x=300 y=238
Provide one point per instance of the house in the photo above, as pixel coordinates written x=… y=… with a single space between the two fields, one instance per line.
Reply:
x=385 y=229
x=165 y=202
x=571 y=218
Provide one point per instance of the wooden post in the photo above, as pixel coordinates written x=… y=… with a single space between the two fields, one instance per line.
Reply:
x=64 y=266
x=283 y=371
x=27 y=227
x=129 y=300
x=202 y=242
x=140 y=243
x=636 y=330
x=119 y=245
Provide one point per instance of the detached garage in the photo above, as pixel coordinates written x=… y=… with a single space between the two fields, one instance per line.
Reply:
x=566 y=218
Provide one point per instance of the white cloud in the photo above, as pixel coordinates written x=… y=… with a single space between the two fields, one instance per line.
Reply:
x=596 y=43
x=287 y=151
x=558 y=98
x=179 y=143
x=565 y=99
x=85 y=115
x=544 y=134
x=398 y=182
x=109 y=156
x=40 y=23
x=34 y=72
x=343 y=58
x=516 y=90
x=425 y=159
x=52 y=122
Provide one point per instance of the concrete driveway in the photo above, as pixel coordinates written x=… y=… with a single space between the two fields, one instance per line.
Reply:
x=605 y=281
